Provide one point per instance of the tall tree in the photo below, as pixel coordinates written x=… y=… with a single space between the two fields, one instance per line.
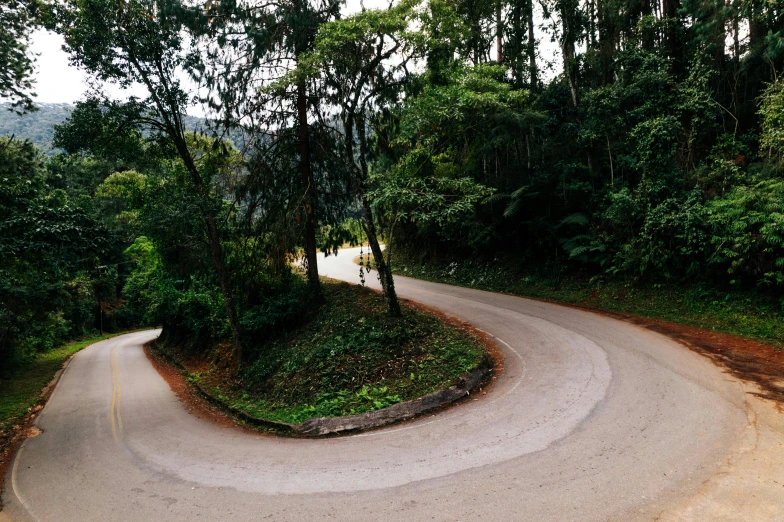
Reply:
x=445 y=31
x=141 y=41
x=303 y=26
x=531 y=46
x=569 y=14
x=480 y=18
x=16 y=63
x=362 y=59
x=520 y=45
x=240 y=46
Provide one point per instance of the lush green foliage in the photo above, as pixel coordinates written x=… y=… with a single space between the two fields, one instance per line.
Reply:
x=772 y=112
x=53 y=254
x=642 y=160
x=17 y=18
x=351 y=358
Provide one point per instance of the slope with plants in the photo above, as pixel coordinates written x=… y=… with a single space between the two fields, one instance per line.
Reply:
x=654 y=159
x=348 y=358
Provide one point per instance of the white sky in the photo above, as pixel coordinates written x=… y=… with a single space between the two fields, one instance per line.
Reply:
x=57 y=81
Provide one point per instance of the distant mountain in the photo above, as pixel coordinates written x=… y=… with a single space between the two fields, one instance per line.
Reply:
x=38 y=127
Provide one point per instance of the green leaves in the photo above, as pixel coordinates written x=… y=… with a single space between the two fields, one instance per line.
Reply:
x=427 y=200
x=108 y=131
x=476 y=101
x=655 y=141
x=447 y=136
x=334 y=39
x=16 y=61
x=772 y=113
x=747 y=226
x=50 y=252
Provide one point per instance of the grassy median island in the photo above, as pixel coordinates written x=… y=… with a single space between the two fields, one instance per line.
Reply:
x=351 y=357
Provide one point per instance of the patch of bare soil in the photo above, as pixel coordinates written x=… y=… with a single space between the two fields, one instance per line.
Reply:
x=193 y=402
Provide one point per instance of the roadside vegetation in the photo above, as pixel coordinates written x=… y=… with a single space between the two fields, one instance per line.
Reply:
x=348 y=358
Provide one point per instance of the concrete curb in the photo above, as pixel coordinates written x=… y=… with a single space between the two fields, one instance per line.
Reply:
x=283 y=427
x=323 y=426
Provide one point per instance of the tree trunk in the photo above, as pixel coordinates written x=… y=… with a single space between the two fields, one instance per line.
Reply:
x=173 y=124
x=516 y=44
x=607 y=25
x=756 y=27
x=612 y=170
x=308 y=197
x=648 y=33
x=569 y=69
x=670 y=9
x=720 y=35
x=735 y=37
x=384 y=274
x=568 y=12
x=531 y=45
x=216 y=249
x=592 y=23
x=499 y=34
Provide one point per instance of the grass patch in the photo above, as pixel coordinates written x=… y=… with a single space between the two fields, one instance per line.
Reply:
x=750 y=315
x=22 y=389
x=352 y=357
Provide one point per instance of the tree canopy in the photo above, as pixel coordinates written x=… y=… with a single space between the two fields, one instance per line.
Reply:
x=648 y=148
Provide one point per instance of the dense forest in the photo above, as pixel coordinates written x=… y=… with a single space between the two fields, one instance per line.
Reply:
x=650 y=149
x=36 y=127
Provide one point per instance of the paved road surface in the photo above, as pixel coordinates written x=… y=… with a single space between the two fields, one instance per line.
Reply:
x=593 y=420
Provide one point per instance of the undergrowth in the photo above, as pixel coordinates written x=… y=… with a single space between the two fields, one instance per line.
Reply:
x=352 y=357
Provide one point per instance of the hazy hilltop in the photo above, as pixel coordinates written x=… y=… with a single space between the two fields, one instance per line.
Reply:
x=38 y=126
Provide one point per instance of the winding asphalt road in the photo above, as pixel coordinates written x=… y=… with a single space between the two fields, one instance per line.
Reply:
x=593 y=419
